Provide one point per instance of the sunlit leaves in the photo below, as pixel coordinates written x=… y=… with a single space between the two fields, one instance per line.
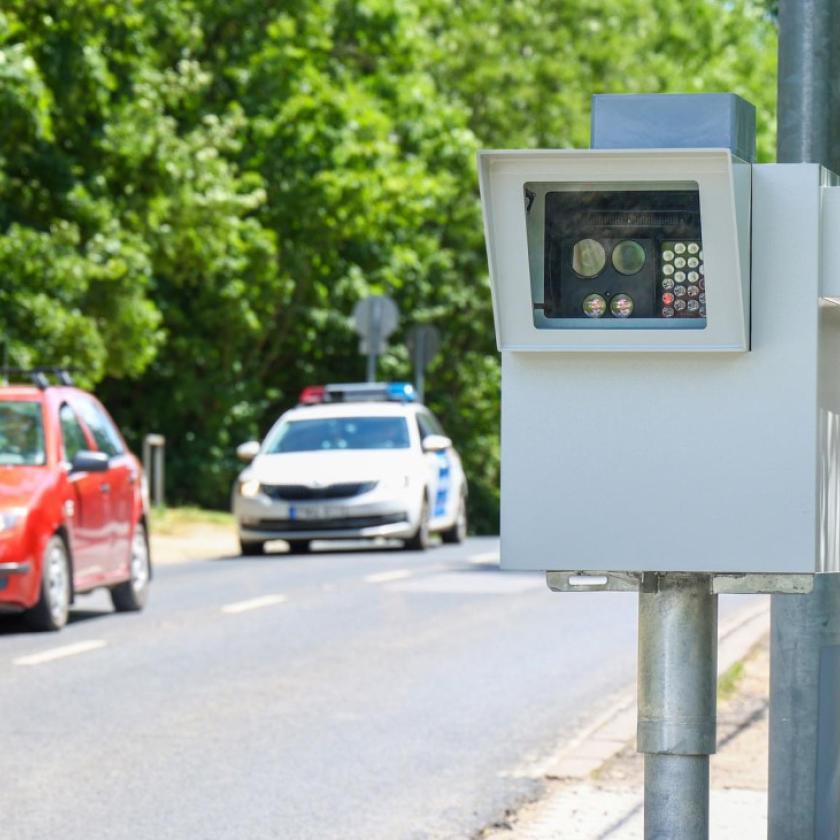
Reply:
x=195 y=193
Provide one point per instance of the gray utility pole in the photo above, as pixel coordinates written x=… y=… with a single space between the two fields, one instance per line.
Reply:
x=804 y=787
x=423 y=342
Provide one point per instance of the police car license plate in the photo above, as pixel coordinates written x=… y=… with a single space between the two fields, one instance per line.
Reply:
x=314 y=512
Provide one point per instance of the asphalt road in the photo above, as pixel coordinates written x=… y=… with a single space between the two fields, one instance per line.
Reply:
x=358 y=694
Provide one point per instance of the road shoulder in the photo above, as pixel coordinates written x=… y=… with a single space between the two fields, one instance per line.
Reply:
x=593 y=784
x=194 y=542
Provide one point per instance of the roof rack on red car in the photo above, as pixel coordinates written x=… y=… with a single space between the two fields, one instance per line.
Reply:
x=38 y=375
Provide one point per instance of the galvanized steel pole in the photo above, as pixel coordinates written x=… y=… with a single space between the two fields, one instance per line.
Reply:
x=808 y=116
x=804 y=785
x=677 y=685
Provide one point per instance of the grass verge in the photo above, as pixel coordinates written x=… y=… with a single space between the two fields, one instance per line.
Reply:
x=729 y=681
x=172 y=521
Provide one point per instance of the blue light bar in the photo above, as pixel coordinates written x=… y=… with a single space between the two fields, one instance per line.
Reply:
x=367 y=392
x=403 y=391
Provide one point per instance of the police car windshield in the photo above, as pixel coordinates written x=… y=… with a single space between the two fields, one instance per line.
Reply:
x=339 y=433
x=21 y=434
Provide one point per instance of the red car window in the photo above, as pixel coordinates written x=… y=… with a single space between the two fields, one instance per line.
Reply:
x=73 y=438
x=21 y=434
x=103 y=430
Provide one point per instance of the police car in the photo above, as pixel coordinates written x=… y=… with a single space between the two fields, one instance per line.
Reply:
x=351 y=461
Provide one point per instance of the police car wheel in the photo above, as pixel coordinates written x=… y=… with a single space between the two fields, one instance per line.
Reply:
x=420 y=540
x=458 y=532
x=251 y=549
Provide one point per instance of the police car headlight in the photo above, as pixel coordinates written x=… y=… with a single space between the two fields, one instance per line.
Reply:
x=249 y=488
x=10 y=519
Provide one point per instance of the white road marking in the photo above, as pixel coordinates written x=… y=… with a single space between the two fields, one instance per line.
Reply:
x=485 y=557
x=59 y=652
x=254 y=604
x=385 y=577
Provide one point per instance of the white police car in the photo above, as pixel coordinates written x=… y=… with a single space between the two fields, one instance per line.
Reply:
x=351 y=461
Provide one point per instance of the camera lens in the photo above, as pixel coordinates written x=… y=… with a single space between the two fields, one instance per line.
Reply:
x=628 y=257
x=622 y=306
x=594 y=306
x=588 y=257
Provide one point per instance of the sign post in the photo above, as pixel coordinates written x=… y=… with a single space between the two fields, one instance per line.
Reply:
x=375 y=318
x=153 y=466
x=423 y=342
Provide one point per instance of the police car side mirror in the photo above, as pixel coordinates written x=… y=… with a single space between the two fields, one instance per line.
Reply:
x=88 y=461
x=248 y=451
x=436 y=443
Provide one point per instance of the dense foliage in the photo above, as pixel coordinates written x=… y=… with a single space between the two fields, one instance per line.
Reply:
x=194 y=193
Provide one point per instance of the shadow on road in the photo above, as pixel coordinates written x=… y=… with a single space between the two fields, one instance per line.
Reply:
x=320 y=547
x=14 y=625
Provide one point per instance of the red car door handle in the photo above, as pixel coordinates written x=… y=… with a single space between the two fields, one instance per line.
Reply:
x=105 y=487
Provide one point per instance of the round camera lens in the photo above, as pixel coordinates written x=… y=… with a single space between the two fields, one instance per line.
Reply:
x=628 y=257
x=588 y=257
x=594 y=306
x=622 y=306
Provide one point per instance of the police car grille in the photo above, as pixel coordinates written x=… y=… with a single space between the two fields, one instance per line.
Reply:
x=349 y=523
x=300 y=492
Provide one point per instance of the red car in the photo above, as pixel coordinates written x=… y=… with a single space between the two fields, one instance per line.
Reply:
x=73 y=504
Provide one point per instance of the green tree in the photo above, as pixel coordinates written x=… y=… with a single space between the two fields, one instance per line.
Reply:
x=194 y=194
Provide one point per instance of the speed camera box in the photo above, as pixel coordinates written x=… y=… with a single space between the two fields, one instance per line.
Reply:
x=660 y=414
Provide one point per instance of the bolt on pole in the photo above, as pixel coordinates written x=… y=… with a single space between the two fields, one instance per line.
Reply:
x=804 y=761
x=677 y=687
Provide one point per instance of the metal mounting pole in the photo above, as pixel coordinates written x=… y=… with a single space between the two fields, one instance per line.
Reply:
x=804 y=784
x=808 y=87
x=153 y=466
x=677 y=688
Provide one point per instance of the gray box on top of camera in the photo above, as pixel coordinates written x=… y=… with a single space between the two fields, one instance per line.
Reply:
x=674 y=121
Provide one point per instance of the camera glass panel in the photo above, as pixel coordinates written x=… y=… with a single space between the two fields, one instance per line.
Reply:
x=617 y=256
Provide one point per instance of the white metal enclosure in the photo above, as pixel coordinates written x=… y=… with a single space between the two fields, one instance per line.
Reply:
x=691 y=458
